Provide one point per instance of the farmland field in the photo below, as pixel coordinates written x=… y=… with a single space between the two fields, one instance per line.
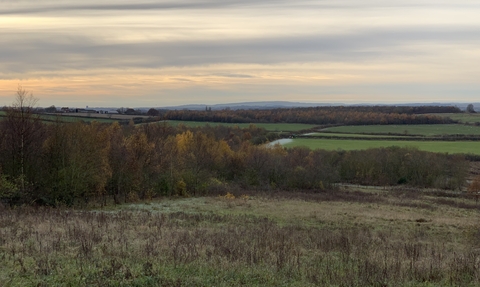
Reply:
x=347 y=135
x=432 y=146
x=47 y=118
x=70 y=119
x=269 y=127
x=461 y=117
x=335 y=238
x=425 y=130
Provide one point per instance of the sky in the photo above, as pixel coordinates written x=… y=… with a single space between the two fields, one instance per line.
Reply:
x=173 y=52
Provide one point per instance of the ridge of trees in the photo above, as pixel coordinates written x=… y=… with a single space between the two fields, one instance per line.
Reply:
x=77 y=162
x=356 y=115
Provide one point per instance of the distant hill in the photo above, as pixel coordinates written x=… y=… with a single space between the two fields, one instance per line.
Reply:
x=287 y=104
x=249 y=105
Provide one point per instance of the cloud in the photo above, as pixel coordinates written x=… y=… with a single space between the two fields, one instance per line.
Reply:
x=229 y=75
x=28 y=7
x=308 y=47
x=57 y=51
x=43 y=6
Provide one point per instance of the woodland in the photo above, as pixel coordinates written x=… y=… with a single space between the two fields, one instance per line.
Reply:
x=57 y=163
x=337 y=115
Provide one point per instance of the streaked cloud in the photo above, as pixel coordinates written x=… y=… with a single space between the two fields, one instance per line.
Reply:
x=175 y=52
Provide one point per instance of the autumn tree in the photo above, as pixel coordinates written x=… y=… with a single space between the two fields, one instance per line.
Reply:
x=201 y=158
x=140 y=162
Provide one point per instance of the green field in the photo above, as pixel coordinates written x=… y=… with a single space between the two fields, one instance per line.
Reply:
x=425 y=130
x=361 y=138
x=269 y=127
x=461 y=117
x=357 y=136
x=432 y=146
x=71 y=119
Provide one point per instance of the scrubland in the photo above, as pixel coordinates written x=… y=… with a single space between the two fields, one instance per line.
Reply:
x=344 y=237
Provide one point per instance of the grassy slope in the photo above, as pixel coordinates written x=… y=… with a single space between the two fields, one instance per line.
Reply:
x=433 y=146
x=341 y=238
x=269 y=127
x=426 y=130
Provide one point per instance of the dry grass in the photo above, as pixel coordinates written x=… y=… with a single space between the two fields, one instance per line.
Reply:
x=341 y=238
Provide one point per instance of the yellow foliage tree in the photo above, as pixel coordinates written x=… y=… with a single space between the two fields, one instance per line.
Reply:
x=199 y=157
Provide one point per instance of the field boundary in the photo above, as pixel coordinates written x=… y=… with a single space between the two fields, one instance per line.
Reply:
x=405 y=138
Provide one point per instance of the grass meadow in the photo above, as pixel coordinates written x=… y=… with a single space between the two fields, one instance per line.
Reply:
x=347 y=135
x=461 y=117
x=424 y=130
x=337 y=238
x=452 y=147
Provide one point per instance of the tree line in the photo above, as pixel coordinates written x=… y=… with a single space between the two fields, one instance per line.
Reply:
x=76 y=162
x=71 y=163
x=356 y=115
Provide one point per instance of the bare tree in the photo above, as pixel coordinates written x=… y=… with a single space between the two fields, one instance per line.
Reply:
x=20 y=130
